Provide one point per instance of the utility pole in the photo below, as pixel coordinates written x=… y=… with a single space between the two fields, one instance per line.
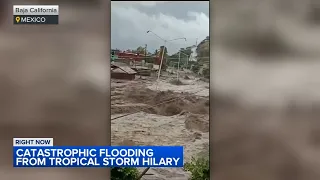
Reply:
x=162 y=56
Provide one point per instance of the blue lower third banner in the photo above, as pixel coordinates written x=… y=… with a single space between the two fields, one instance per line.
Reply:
x=98 y=156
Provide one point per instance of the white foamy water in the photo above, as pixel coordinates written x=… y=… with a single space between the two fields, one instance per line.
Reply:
x=196 y=87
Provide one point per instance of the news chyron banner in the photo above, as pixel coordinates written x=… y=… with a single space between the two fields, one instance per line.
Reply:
x=41 y=152
x=35 y=14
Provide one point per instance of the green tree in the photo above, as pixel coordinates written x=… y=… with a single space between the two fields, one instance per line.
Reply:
x=140 y=50
x=188 y=50
x=156 y=52
x=184 y=56
x=162 y=48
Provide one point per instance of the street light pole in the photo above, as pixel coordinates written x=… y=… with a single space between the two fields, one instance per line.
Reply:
x=162 y=56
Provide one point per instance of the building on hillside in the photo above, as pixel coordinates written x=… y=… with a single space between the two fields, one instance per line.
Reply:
x=122 y=71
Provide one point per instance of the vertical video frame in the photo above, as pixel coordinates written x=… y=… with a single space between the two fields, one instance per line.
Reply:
x=160 y=75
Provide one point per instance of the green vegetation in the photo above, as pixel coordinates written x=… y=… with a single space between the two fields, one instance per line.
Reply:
x=199 y=168
x=118 y=173
x=174 y=58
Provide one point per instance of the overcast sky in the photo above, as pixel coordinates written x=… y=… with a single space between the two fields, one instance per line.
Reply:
x=130 y=22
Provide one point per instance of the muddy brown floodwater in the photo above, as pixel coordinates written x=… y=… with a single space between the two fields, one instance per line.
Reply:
x=168 y=116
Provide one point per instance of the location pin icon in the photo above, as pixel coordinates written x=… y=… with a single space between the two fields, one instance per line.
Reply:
x=18 y=19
